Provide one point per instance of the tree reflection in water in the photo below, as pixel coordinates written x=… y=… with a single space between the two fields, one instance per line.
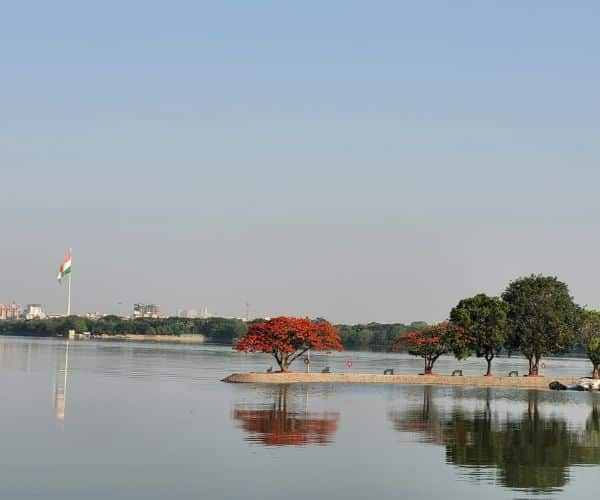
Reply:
x=532 y=451
x=284 y=424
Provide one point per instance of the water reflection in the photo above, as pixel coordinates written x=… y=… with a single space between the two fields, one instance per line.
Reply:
x=17 y=355
x=60 y=383
x=286 y=421
x=528 y=451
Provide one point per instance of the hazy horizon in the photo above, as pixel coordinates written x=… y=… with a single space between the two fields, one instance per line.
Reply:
x=356 y=161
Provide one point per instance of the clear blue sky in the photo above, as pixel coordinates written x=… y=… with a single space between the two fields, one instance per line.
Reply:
x=353 y=160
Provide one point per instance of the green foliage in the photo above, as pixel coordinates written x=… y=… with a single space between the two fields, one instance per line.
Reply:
x=590 y=336
x=485 y=322
x=593 y=349
x=218 y=330
x=542 y=317
x=374 y=336
x=44 y=328
x=76 y=323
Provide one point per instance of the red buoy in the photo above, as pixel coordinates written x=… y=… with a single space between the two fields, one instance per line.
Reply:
x=349 y=363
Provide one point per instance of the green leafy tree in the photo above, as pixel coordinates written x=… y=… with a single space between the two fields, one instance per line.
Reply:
x=590 y=333
x=76 y=323
x=485 y=323
x=542 y=318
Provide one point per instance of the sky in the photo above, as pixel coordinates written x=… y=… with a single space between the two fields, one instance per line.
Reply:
x=358 y=161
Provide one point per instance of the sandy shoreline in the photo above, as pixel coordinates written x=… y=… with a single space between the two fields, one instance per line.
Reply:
x=364 y=378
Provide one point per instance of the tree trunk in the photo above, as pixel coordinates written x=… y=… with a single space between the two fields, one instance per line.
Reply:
x=596 y=372
x=282 y=361
x=489 y=358
x=534 y=364
x=282 y=366
x=429 y=360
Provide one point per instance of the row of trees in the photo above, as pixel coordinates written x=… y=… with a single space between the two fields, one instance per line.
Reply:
x=535 y=315
x=371 y=336
x=220 y=330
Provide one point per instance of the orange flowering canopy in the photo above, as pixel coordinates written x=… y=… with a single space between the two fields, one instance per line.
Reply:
x=431 y=342
x=289 y=338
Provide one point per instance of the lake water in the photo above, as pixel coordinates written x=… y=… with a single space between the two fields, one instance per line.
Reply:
x=131 y=420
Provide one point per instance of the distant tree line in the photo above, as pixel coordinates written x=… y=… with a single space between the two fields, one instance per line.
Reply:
x=375 y=336
x=372 y=336
x=218 y=330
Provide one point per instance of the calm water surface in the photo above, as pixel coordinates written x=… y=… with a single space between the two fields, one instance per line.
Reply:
x=100 y=420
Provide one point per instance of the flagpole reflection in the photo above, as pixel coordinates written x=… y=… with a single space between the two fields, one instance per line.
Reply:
x=60 y=386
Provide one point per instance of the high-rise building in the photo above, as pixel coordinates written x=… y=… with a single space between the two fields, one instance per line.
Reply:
x=146 y=311
x=10 y=312
x=34 y=311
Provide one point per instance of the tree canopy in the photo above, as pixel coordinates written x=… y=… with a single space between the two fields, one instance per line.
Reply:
x=484 y=320
x=590 y=337
x=542 y=318
x=429 y=343
x=289 y=338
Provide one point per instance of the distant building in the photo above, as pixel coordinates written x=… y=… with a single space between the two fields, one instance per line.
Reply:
x=188 y=313
x=34 y=311
x=10 y=312
x=194 y=313
x=146 y=311
x=94 y=315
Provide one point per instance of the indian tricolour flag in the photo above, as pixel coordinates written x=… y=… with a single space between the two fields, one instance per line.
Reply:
x=65 y=267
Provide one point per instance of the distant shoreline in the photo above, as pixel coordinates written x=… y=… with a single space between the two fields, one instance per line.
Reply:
x=181 y=339
x=367 y=378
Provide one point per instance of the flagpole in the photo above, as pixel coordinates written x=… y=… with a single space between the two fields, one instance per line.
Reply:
x=69 y=289
x=69 y=297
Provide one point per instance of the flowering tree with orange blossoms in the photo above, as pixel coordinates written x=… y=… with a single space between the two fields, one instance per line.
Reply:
x=431 y=342
x=289 y=338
